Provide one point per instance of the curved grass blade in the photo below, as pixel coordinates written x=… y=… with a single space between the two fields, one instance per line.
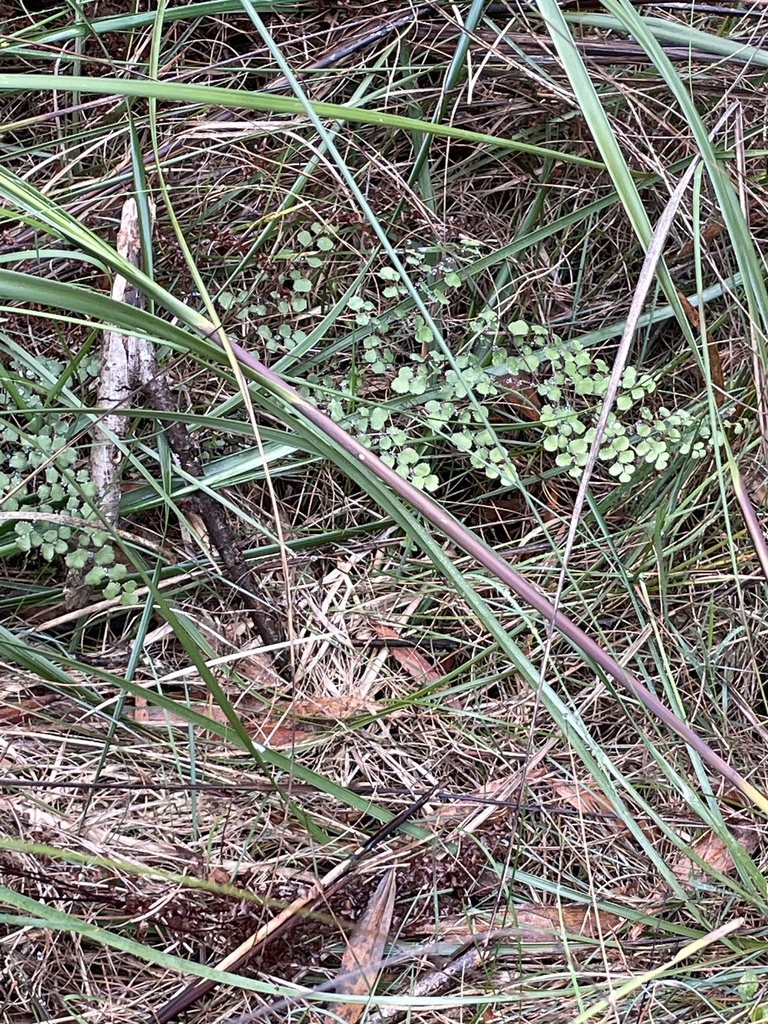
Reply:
x=216 y=96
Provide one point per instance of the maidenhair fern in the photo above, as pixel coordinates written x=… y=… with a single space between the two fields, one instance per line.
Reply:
x=428 y=400
x=39 y=475
x=572 y=386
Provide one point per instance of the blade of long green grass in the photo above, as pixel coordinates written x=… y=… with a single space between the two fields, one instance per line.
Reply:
x=604 y=135
x=750 y=265
x=216 y=96
x=682 y=35
x=129 y=21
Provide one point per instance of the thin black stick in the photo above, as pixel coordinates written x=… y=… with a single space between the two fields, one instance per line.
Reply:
x=184 y=448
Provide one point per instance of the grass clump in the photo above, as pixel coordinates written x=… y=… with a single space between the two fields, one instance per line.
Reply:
x=568 y=825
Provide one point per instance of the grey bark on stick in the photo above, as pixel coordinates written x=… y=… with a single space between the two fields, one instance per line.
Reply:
x=125 y=360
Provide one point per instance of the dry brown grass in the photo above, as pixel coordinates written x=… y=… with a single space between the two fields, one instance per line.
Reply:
x=180 y=839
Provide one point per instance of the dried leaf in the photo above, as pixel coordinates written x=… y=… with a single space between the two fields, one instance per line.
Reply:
x=711 y=231
x=364 y=952
x=531 y=922
x=584 y=800
x=281 y=734
x=26 y=710
x=259 y=669
x=219 y=875
x=278 y=729
x=337 y=708
x=519 y=391
x=277 y=736
x=713 y=353
x=713 y=851
x=413 y=661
